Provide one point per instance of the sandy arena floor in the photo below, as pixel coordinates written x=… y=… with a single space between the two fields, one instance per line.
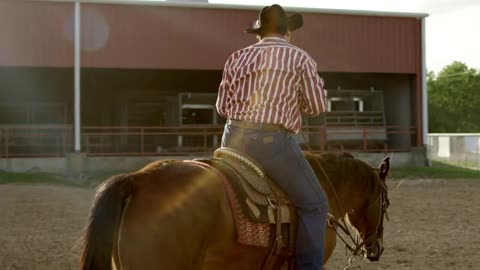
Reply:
x=434 y=225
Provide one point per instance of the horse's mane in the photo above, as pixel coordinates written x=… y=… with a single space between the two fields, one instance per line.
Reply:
x=341 y=167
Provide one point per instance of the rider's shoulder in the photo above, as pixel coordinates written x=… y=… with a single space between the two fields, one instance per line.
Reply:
x=238 y=53
x=304 y=54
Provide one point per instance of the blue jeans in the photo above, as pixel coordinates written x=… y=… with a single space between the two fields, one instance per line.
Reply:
x=283 y=160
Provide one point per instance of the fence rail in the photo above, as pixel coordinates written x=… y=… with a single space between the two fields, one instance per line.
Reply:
x=34 y=140
x=57 y=140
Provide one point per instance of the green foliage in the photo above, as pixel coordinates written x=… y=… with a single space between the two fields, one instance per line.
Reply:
x=454 y=99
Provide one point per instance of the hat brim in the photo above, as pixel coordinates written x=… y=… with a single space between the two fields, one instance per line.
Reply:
x=295 y=21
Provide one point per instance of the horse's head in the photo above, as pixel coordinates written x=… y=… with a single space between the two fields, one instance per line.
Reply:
x=368 y=220
x=356 y=190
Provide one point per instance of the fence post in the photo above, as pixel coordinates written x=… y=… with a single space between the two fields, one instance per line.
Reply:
x=64 y=138
x=323 y=137
x=364 y=136
x=7 y=134
x=204 y=140
x=476 y=156
x=2 y=135
x=87 y=139
x=142 y=141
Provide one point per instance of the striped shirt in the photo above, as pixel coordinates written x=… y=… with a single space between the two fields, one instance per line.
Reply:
x=272 y=82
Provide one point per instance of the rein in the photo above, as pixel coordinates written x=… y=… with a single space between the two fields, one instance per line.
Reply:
x=332 y=222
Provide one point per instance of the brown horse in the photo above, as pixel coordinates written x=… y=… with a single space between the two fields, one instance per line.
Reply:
x=176 y=215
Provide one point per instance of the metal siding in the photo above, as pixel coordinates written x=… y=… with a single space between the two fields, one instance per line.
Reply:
x=168 y=37
x=162 y=37
x=361 y=44
x=33 y=34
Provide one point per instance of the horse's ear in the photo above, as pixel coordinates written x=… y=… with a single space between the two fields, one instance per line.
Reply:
x=384 y=168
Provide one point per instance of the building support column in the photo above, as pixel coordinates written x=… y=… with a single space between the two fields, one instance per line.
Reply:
x=424 y=88
x=77 y=49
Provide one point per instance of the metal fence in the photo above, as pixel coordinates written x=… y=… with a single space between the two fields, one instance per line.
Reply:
x=35 y=140
x=456 y=149
x=57 y=140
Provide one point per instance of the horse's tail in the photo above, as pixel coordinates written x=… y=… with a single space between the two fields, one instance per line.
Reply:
x=103 y=224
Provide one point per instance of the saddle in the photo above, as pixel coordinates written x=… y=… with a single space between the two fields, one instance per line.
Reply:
x=263 y=213
x=261 y=194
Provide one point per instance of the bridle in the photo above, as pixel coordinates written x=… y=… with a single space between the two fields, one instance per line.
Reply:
x=384 y=202
x=359 y=247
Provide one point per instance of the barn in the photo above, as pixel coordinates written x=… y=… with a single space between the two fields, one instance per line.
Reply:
x=124 y=80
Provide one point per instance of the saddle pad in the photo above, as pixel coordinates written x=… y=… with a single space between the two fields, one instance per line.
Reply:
x=248 y=232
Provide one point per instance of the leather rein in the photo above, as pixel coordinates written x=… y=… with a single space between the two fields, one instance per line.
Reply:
x=334 y=223
x=357 y=246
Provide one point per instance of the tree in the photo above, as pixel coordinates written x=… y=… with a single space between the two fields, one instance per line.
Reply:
x=454 y=99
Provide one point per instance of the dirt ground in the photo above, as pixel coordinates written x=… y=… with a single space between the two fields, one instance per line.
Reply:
x=434 y=225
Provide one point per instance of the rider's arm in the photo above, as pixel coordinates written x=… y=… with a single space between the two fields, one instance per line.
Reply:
x=225 y=91
x=313 y=95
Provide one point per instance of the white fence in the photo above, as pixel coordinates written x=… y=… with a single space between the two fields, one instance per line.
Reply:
x=455 y=148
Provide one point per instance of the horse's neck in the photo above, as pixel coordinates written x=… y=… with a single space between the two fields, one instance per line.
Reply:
x=346 y=191
x=347 y=197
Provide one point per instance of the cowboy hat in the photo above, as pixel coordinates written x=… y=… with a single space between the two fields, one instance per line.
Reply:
x=273 y=19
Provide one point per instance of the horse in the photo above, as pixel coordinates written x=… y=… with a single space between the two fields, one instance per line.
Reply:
x=174 y=214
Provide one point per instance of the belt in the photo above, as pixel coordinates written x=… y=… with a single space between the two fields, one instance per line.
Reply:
x=253 y=125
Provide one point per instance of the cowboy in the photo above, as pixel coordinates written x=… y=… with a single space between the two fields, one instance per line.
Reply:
x=263 y=91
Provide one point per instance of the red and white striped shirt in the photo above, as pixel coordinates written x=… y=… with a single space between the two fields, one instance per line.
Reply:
x=271 y=81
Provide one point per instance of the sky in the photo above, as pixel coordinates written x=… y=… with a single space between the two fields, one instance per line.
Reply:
x=452 y=27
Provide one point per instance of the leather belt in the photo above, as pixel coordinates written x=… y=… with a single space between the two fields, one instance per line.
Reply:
x=258 y=126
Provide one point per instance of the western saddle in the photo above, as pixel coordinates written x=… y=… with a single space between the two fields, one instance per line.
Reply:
x=259 y=198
